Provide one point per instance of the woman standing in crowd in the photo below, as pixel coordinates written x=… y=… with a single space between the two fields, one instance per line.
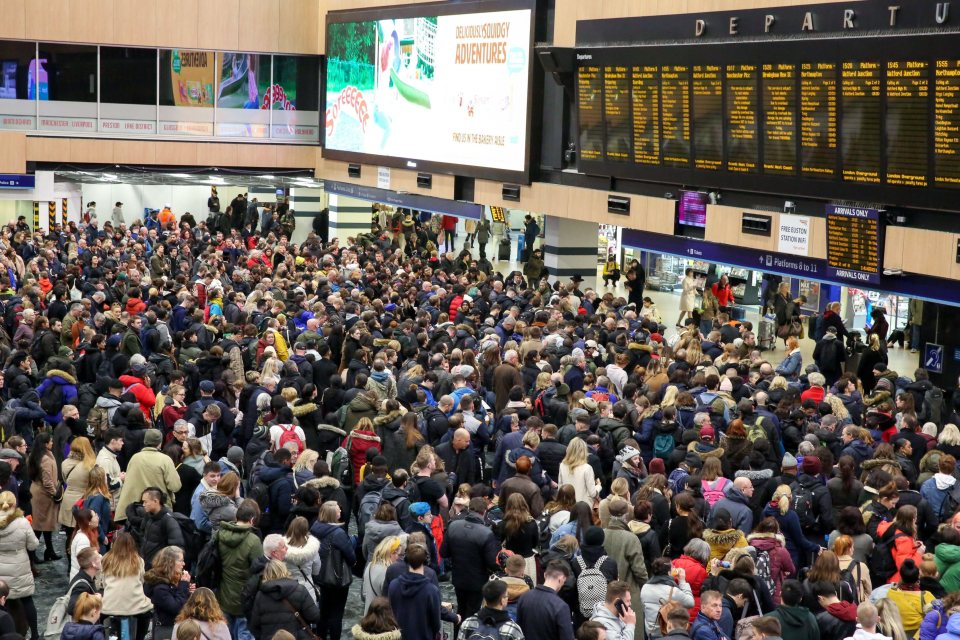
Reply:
x=374 y=574
x=333 y=597
x=45 y=491
x=167 y=584
x=303 y=555
x=17 y=543
x=519 y=532
x=202 y=607
x=85 y=624
x=575 y=471
x=282 y=604
x=122 y=574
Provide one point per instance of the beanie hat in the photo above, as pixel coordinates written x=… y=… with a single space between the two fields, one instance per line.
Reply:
x=656 y=466
x=789 y=462
x=811 y=465
x=726 y=385
x=594 y=536
x=152 y=438
x=419 y=509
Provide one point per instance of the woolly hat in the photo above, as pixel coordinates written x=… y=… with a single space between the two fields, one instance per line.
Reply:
x=789 y=462
x=593 y=537
x=811 y=465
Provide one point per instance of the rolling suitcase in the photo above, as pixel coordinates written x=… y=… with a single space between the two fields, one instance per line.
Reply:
x=766 y=334
x=503 y=251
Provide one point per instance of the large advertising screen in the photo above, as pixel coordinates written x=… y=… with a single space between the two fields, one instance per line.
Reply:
x=448 y=91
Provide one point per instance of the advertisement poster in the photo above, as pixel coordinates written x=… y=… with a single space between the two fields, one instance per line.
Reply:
x=244 y=80
x=793 y=236
x=458 y=83
x=189 y=76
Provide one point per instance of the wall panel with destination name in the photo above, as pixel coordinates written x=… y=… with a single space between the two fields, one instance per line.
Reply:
x=868 y=118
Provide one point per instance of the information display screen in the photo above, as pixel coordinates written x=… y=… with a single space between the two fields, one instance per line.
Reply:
x=428 y=86
x=869 y=118
x=854 y=243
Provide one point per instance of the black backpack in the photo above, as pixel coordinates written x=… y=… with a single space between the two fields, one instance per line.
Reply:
x=36 y=348
x=209 y=569
x=52 y=399
x=881 y=563
x=193 y=539
x=260 y=492
x=803 y=504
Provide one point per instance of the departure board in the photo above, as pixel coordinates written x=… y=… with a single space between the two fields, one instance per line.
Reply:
x=818 y=120
x=616 y=111
x=908 y=122
x=590 y=112
x=779 y=119
x=853 y=243
x=866 y=119
x=708 y=116
x=861 y=102
x=743 y=152
x=946 y=124
x=675 y=115
x=646 y=114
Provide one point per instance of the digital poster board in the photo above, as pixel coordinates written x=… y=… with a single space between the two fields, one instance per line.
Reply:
x=854 y=243
x=444 y=90
x=872 y=118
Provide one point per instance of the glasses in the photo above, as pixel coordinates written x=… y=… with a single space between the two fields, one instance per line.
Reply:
x=180 y=432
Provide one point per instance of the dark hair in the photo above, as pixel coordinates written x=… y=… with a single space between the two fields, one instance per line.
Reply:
x=555 y=567
x=379 y=618
x=661 y=567
x=824 y=588
x=850 y=520
x=768 y=626
x=211 y=467
x=909 y=572
x=848 y=469
x=722 y=520
x=791 y=592
x=739 y=587
x=416 y=556
x=248 y=511
x=36 y=455
x=493 y=591
x=590 y=630
x=155 y=493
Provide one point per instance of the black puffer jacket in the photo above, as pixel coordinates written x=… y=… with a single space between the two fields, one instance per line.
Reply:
x=153 y=531
x=271 y=611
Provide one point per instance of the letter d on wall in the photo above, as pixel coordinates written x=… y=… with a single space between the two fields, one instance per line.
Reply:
x=700 y=27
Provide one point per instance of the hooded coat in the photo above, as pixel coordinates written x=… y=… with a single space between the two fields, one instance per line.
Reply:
x=68 y=389
x=781 y=564
x=796 y=623
x=273 y=608
x=723 y=541
x=17 y=540
x=421 y=622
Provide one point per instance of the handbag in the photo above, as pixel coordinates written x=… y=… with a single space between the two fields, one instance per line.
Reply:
x=742 y=630
x=309 y=580
x=784 y=331
x=300 y=621
x=334 y=570
x=61 y=487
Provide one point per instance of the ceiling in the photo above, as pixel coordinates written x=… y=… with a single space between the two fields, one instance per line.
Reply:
x=191 y=178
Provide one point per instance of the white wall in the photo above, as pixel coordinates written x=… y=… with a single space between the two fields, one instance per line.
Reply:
x=136 y=197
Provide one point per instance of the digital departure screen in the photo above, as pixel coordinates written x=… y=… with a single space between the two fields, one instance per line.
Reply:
x=868 y=119
x=854 y=243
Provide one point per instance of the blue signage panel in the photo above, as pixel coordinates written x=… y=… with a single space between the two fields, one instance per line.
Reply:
x=939 y=290
x=16 y=181
x=407 y=200
x=854 y=243
x=933 y=358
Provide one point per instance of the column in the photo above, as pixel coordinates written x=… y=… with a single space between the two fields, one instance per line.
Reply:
x=570 y=248
x=349 y=217
x=306 y=204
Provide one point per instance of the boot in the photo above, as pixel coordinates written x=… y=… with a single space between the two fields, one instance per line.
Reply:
x=49 y=555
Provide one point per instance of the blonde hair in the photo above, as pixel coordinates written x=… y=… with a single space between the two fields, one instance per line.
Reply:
x=385 y=549
x=778 y=382
x=576 y=454
x=306 y=460
x=782 y=497
x=275 y=570
x=328 y=512
x=531 y=439
x=86 y=604
x=928 y=566
x=670 y=397
x=80 y=449
x=620 y=487
x=889 y=614
x=949 y=435
x=289 y=394
x=8 y=501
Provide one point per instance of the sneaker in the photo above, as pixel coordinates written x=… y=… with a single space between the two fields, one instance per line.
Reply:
x=913 y=351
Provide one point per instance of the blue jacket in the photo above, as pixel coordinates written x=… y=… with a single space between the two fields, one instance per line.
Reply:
x=706 y=629
x=935 y=496
x=543 y=615
x=791 y=366
x=953 y=628
x=333 y=535
x=279 y=480
x=416 y=604
x=82 y=631
x=790 y=527
x=68 y=387
x=934 y=622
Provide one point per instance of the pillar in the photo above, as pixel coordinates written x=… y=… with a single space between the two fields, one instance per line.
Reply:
x=349 y=217
x=570 y=248
x=306 y=204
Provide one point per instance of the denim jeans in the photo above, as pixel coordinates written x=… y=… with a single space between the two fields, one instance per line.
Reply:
x=238 y=628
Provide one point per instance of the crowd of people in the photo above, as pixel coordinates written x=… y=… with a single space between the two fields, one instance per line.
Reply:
x=231 y=429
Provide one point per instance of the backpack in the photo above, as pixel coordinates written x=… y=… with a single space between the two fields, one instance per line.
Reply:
x=193 y=538
x=290 y=435
x=591 y=586
x=803 y=505
x=339 y=463
x=36 y=349
x=713 y=494
x=663 y=445
x=765 y=570
x=853 y=582
x=484 y=631
x=58 y=618
x=933 y=406
x=368 y=506
x=209 y=565
x=260 y=492
x=881 y=563
x=8 y=422
x=755 y=431
x=949 y=506
x=600 y=396
x=52 y=399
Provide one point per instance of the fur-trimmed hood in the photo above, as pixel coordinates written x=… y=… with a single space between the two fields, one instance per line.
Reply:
x=727 y=537
x=65 y=377
x=703 y=452
x=10 y=517
x=766 y=541
x=326 y=482
x=930 y=461
x=753 y=475
x=304 y=554
x=360 y=634
x=304 y=409
x=876 y=463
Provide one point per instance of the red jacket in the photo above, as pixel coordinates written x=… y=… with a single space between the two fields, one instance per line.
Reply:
x=904 y=546
x=144 y=394
x=696 y=574
x=449 y=223
x=356 y=444
x=813 y=393
x=724 y=295
x=135 y=306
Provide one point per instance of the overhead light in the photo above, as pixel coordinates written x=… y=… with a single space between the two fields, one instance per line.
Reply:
x=110 y=176
x=268 y=177
x=216 y=178
x=179 y=175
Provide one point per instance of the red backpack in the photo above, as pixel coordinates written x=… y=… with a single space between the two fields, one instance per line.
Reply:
x=290 y=435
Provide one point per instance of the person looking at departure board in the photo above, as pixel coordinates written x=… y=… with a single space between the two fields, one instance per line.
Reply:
x=724 y=293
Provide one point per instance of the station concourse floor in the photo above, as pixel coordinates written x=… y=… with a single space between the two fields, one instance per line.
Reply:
x=668 y=303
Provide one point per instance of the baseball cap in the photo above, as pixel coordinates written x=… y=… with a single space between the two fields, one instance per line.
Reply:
x=207 y=386
x=420 y=509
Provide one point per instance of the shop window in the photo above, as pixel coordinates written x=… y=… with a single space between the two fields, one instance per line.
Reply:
x=66 y=73
x=242 y=95
x=188 y=81
x=294 y=97
x=128 y=75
